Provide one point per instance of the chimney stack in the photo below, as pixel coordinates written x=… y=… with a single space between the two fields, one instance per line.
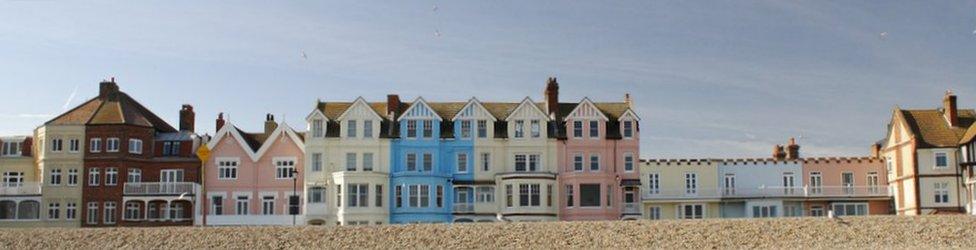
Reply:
x=793 y=150
x=220 y=122
x=393 y=104
x=628 y=101
x=27 y=147
x=187 y=118
x=552 y=97
x=876 y=150
x=269 y=124
x=950 y=110
x=778 y=152
x=107 y=90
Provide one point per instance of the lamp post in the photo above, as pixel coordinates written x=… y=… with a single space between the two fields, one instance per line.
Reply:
x=293 y=200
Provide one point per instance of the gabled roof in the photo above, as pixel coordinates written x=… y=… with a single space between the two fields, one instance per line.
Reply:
x=970 y=135
x=527 y=103
x=116 y=109
x=474 y=103
x=932 y=130
x=420 y=102
x=332 y=110
x=586 y=102
x=256 y=144
x=361 y=102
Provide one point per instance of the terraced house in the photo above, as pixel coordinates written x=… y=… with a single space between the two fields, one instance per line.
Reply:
x=922 y=150
x=784 y=185
x=347 y=162
x=250 y=176
x=968 y=165
x=20 y=188
x=138 y=170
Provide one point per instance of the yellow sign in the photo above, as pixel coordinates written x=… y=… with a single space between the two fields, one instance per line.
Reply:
x=203 y=153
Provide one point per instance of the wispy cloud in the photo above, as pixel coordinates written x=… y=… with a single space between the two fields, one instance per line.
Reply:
x=72 y=98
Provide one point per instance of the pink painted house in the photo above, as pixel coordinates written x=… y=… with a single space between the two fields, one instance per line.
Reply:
x=846 y=185
x=598 y=152
x=250 y=176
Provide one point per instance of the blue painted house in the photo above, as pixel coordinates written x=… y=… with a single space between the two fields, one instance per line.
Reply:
x=422 y=166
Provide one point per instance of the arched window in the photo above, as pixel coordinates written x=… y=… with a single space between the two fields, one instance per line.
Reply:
x=29 y=210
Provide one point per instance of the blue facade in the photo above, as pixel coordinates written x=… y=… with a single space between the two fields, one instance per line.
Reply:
x=422 y=170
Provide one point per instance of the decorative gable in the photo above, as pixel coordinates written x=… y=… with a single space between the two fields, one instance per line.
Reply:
x=359 y=110
x=586 y=110
x=420 y=110
x=527 y=110
x=629 y=115
x=474 y=110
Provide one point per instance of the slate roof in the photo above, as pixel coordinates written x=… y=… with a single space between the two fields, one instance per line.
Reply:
x=116 y=109
x=932 y=130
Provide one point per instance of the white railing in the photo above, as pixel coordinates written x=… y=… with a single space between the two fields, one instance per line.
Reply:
x=160 y=188
x=20 y=188
x=632 y=208
x=823 y=191
x=665 y=194
x=463 y=207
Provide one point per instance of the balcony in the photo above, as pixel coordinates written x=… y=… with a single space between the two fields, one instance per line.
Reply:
x=632 y=208
x=463 y=207
x=20 y=188
x=160 y=189
x=680 y=194
x=762 y=192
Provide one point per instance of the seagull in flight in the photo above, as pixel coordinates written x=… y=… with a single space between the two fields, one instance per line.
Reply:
x=883 y=35
x=304 y=56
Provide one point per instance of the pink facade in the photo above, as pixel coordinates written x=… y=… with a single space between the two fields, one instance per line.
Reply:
x=846 y=180
x=255 y=166
x=618 y=194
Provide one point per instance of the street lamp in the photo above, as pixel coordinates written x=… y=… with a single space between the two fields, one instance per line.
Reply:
x=294 y=200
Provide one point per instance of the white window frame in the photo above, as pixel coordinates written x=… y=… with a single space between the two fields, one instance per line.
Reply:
x=72 y=177
x=318 y=128
x=57 y=145
x=94 y=177
x=691 y=183
x=111 y=176
x=627 y=128
x=351 y=128
x=941 y=192
x=74 y=145
x=288 y=163
x=629 y=164
x=316 y=162
x=55 y=175
x=109 y=207
x=936 y=157
x=228 y=168
x=654 y=213
x=135 y=146
x=594 y=131
x=680 y=213
x=654 y=183
x=112 y=145
x=462 y=162
x=367 y=128
x=95 y=145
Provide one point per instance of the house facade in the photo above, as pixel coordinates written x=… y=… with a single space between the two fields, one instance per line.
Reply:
x=347 y=157
x=136 y=169
x=20 y=188
x=60 y=146
x=847 y=186
x=421 y=165
x=680 y=189
x=598 y=156
x=922 y=150
x=968 y=165
x=249 y=177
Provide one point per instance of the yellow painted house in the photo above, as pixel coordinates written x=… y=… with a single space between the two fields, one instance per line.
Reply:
x=20 y=188
x=680 y=189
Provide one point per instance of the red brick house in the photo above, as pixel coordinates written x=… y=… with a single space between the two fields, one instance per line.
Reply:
x=138 y=170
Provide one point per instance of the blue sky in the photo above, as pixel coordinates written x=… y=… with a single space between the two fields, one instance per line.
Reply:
x=709 y=78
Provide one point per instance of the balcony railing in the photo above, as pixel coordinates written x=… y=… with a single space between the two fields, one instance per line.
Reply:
x=632 y=208
x=810 y=192
x=20 y=188
x=160 y=188
x=463 y=207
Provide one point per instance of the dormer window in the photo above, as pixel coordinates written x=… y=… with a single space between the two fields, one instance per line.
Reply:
x=577 y=129
x=536 y=129
x=171 y=148
x=519 y=128
x=368 y=129
x=594 y=129
x=318 y=128
x=351 y=128
x=411 y=129
x=428 y=128
x=628 y=128
x=482 y=129
x=11 y=149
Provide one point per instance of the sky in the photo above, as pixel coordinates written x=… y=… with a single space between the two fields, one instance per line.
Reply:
x=709 y=78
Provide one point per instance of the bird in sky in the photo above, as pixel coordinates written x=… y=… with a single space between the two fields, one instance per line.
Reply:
x=304 y=56
x=883 y=35
x=435 y=8
x=437 y=33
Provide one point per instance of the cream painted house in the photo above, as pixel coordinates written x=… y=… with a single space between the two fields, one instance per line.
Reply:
x=347 y=164
x=680 y=189
x=921 y=151
x=60 y=145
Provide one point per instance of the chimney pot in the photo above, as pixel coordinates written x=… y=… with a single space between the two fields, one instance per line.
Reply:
x=187 y=118
x=220 y=122
x=270 y=125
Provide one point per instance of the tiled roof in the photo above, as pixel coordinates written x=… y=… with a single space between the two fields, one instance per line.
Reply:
x=118 y=109
x=932 y=129
x=254 y=140
x=970 y=134
x=447 y=110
